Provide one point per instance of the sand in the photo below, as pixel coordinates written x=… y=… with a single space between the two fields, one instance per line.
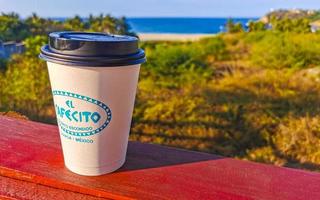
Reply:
x=172 y=37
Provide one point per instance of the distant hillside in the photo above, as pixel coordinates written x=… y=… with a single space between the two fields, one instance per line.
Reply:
x=313 y=15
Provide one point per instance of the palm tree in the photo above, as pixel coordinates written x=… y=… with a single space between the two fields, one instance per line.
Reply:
x=75 y=23
x=36 y=24
x=12 y=28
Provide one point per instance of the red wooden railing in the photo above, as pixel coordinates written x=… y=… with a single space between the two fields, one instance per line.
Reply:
x=31 y=167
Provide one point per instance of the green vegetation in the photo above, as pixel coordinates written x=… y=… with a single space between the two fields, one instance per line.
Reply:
x=315 y=16
x=250 y=95
x=232 y=105
x=14 y=29
x=24 y=85
x=234 y=27
x=286 y=50
x=293 y=14
x=291 y=25
x=256 y=26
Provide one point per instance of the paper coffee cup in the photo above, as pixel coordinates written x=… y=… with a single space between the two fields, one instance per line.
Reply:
x=93 y=79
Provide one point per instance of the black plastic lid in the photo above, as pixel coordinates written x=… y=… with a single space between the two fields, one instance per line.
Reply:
x=92 y=49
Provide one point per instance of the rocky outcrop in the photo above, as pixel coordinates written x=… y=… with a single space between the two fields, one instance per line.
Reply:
x=291 y=14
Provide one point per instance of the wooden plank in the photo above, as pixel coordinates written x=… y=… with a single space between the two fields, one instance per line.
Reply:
x=17 y=189
x=31 y=152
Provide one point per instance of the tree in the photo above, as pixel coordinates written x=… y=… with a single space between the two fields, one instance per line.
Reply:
x=12 y=28
x=123 y=28
x=26 y=87
x=33 y=45
x=75 y=23
x=36 y=25
x=256 y=26
x=234 y=27
x=3 y=63
x=315 y=16
x=16 y=29
x=109 y=24
x=301 y=25
x=101 y=23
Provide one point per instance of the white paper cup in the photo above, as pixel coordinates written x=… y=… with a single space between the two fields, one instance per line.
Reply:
x=94 y=106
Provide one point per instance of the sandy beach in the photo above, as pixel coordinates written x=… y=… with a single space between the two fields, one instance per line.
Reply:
x=172 y=37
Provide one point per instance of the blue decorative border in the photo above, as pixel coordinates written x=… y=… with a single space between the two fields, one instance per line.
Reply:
x=90 y=100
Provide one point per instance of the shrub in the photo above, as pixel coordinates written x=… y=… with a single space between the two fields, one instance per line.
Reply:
x=25 y=84
x=234 y=27
x=298 y=140
x=12 y=28
x=212 y=48
x=256 y=26
x=284 y=50
x=173 y=65
x=301 y=25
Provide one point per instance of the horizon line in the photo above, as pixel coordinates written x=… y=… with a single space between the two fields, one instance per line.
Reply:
x=126 y=16
x=155 y=17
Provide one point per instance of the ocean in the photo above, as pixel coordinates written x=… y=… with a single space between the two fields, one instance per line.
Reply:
x=178 y=25
x=182 y=25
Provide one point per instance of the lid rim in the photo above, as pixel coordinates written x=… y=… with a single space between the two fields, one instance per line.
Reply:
x=91 y=64
x=50 y=56
x=49 y=52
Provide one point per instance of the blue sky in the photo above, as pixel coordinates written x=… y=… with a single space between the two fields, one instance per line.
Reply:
x=155 y=8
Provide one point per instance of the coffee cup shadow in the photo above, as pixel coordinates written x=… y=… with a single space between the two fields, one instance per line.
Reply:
x=145 y=156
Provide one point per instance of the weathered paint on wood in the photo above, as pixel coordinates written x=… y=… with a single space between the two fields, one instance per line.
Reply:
x=31 y=152
x=17 y=189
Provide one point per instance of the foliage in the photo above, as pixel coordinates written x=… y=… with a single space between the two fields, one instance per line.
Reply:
x=212 y=49
x=234 y=27
x=244 y=115
x=3 y=63
x=12 y=28
x=301 y=25
x=100 y=23
x=174 y=65
x=16 y=29
x=246 y=111
x=256 y=26
x=109 y=24
x=315 y=16
x=33 y=45
x=281 y=14
x=298 y=139
x=25 y=86
x=41 y=26
x=75 y=23
x=279 y=50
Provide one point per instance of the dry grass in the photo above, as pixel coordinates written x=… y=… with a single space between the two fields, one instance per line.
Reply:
x=257 y=117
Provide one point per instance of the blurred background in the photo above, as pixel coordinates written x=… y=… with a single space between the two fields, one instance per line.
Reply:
x=234 y=78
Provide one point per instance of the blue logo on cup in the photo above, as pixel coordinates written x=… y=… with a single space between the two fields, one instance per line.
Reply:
x=75 y=118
